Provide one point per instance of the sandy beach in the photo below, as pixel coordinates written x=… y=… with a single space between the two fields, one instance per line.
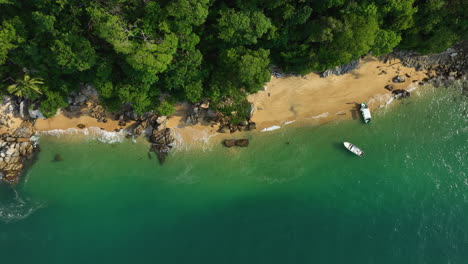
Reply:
x=313 y=99
x=310 y=99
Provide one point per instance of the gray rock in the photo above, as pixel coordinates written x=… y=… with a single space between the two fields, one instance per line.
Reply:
x=389 y=87
x=80 y=99
x=73 y=108
x=340 y=70
x=23 y=110
x=399 y=79
x=252 y=126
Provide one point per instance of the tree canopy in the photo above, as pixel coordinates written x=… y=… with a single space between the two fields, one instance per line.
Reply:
x=153 y=53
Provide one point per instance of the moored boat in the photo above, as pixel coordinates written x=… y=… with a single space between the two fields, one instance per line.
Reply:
x=366 y=115
x=354 y=149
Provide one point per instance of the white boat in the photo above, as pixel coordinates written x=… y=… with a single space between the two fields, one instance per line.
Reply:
x=354 y=149
x=365 y=113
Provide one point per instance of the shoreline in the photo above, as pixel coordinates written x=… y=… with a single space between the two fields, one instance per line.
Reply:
x=293 y=101
x=290 y=101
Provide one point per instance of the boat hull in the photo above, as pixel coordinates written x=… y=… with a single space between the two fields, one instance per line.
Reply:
x=354 y=149
x=365 y=112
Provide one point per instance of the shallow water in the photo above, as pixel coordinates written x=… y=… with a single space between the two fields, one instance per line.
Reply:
x=295 y=195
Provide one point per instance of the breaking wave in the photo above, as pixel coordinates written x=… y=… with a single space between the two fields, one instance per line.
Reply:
x=322 y=115
x=270 y=128
x=284 y=123
x=17 y=208
x=93 y=133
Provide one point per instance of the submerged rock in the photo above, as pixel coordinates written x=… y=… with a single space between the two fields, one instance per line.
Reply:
x=229 y=143
x=242 y=142
x=57 y=157
x=236 y=142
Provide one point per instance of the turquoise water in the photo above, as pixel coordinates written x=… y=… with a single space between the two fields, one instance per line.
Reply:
x=295 y=195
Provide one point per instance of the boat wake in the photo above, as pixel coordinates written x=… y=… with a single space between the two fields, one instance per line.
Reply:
x=189 y=138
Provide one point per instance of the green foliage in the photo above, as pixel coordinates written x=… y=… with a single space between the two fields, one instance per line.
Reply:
x=9 y=37
x=27 y=87
x=53 y=101
x=385 y=41
x=165 y=108
x=242 y=28
x=73 y=53
x=133 y=52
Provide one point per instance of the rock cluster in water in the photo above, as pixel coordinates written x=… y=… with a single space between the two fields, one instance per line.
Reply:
x=236 y=142
x=161 y=138
x=15 y=148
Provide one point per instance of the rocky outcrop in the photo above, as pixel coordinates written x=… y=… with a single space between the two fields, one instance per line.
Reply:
x=449 y=65
x=161 y=138
x=340 y=70
x=162 y=142
x=14 y=150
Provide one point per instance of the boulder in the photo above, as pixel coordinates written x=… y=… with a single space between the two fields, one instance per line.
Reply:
x=243 y=123
x=224 y=129
x=81 y=126
x=35 y=113
x=389 y=87
x=399 y=79
x=25 y=148
x=242 y=142
x=252 y=126
x=401 y=93
x=162 y=142
x=138 y=128
x=229 y=143
x=233 y=129
x=23 y=110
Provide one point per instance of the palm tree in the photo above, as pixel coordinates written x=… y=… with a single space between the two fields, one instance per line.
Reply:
x=27 y=88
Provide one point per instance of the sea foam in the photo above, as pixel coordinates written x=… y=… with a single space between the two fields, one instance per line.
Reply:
x=270 y=128
x=93 y=133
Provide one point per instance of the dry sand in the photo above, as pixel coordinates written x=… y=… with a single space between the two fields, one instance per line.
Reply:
x=65 y=120
x=307 y=100
x=313 y=99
